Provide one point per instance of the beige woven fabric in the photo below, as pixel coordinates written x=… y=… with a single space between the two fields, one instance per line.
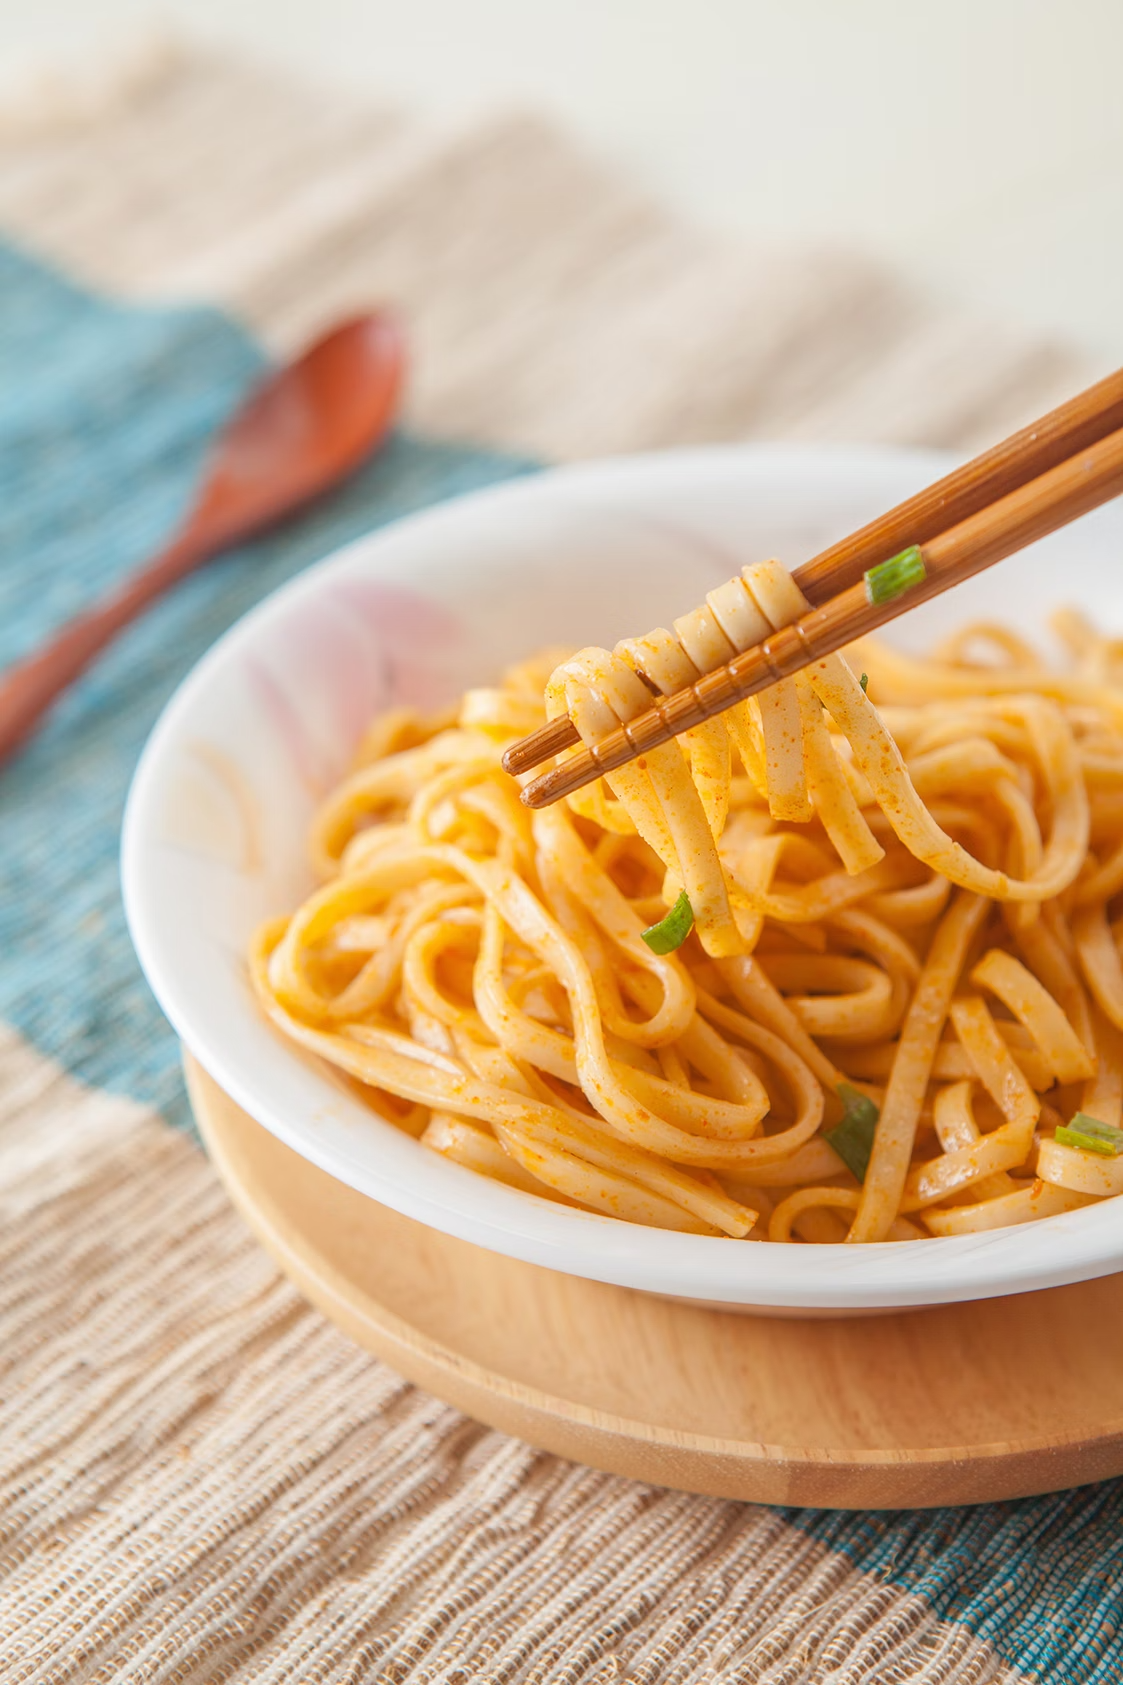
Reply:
x=551 y=309
x=200 y=1480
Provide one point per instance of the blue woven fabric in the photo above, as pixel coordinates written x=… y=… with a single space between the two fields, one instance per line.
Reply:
x=1041 y=1579
x=104 y=414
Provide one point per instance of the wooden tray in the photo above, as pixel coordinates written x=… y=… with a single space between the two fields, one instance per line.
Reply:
x=956 y=1405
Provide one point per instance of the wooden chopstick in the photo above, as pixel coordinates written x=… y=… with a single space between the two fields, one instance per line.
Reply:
x=1025 y=455
x=1091 y=477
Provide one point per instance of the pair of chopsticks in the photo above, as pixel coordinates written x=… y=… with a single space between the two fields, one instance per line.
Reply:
x=1034 y=482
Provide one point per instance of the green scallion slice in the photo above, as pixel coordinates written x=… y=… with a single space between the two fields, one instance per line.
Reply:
x=1091 y=1136
x=896 y=576
x=864 y=682
x=852 y=1139
x=671 y=932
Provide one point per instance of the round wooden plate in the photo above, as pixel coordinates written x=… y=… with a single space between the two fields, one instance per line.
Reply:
x=962 y=1404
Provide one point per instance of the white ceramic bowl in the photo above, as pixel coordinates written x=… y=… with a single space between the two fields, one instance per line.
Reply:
x=216 y=821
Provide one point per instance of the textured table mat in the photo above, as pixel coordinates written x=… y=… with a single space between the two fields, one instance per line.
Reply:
x=200 y=1480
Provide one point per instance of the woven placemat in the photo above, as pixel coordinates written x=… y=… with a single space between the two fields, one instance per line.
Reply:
x=199 y=1479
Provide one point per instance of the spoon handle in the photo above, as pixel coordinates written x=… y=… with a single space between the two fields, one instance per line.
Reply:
x=28 y=688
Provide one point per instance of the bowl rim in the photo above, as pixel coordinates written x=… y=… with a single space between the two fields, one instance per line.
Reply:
x=1078 y=1246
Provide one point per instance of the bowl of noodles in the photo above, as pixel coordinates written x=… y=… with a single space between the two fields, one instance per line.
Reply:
x=816 y=1010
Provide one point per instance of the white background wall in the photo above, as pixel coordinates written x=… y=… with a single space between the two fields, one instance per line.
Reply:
x=975 y=144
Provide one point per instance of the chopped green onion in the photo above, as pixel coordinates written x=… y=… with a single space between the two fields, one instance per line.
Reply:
x=1091 y=1136
x=864 y=681
x=852 y=1139
x=893 y=578
x=671 y=932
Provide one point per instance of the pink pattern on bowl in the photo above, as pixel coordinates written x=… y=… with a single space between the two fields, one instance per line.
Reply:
x=365 y=646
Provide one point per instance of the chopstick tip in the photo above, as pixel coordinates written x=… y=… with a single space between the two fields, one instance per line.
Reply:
x=557 y=734
x=541 y=792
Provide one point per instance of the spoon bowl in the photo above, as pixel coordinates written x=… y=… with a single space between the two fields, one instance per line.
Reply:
x=301 y=431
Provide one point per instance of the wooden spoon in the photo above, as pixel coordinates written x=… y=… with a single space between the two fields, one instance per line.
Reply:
x=302 y=430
